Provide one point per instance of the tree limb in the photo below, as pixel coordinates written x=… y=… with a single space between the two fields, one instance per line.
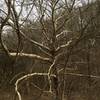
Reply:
x=26 y=77
x=34 y=56
x=2 y=26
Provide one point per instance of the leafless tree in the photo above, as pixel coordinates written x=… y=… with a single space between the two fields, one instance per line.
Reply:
x=57 y=42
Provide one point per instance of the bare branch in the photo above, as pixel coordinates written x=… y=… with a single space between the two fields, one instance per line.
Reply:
x=36 y=43
x=43 y=48
x=49 y=75
x=34 y=56
x=63 y=46
x=3 y=24
x=27 y=15
x=21 y=8
x=26 y=77
x=42 y=12
x=16 y=24
x=83 y=75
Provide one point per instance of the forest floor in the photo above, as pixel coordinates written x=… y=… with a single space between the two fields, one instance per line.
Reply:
x=12 y=96
x=36 y=95
x=8 y=95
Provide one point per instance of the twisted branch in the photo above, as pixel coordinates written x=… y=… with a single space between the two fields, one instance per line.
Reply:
x=26 y=77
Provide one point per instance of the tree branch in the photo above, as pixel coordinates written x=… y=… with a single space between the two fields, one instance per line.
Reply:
x=34 y=56
x=63 y=46
x=35 y=43
x=2 y=26
x=26 y=77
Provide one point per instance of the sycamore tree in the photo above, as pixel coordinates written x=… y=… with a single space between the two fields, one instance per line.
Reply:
x=48 y=20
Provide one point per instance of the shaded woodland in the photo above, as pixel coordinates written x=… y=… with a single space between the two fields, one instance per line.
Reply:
x=49 y=50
